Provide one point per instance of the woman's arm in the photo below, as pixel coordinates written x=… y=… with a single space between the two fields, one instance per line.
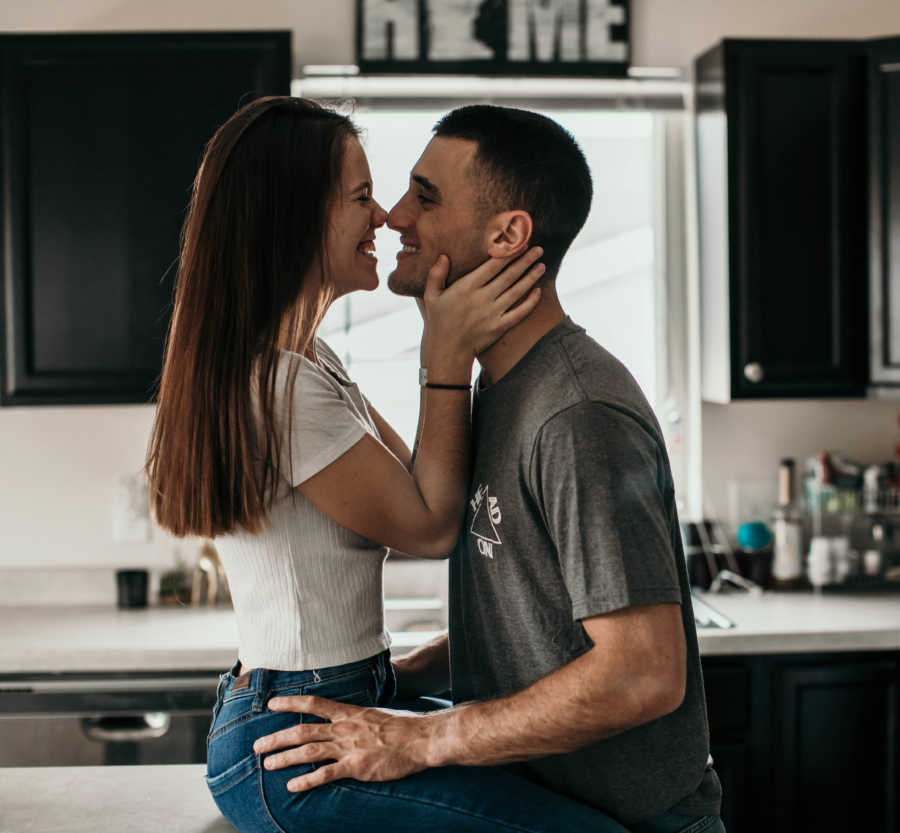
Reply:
x=368 y=489
x=401 y=451
x=389 y=436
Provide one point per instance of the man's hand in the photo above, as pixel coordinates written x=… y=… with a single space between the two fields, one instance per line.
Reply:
x=367 y=744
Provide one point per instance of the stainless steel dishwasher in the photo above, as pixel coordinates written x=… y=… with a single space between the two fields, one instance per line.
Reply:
x=105 y=718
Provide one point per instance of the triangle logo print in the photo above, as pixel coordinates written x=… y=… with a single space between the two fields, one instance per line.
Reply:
x=485 y=520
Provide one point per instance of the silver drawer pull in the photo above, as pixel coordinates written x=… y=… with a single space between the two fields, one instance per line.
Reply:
x=126 y=728
x=753 y=372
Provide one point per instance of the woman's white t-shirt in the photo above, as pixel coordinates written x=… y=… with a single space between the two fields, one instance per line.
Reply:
x=307 y=592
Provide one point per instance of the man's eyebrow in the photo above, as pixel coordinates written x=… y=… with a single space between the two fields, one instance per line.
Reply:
x=427 y=184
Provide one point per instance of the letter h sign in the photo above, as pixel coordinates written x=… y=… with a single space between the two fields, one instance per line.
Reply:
x=496 y=37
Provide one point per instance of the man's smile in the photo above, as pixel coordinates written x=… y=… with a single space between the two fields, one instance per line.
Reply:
x=408 y=249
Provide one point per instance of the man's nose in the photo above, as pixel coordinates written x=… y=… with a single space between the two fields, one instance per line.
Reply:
x=399 y=216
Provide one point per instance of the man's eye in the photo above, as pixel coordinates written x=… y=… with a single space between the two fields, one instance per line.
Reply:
x=423 y=199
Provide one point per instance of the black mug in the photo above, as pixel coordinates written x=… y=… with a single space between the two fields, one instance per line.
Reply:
x=132 y=588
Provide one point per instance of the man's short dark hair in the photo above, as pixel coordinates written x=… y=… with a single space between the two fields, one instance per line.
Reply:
x=529 y=162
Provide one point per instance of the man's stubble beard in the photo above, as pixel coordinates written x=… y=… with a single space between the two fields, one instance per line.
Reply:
x=407 y=286
x=413 y=284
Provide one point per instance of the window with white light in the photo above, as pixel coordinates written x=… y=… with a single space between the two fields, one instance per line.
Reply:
x=610 y=281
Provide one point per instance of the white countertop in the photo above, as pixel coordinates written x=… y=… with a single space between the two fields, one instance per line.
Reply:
x=104 y=638
x=783 y=623
x=137 y=799
x=78 y=639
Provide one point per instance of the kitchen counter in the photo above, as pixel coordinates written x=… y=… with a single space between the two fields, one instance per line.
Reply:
x=784 y=623
x=103 y=638
x=139 y=799
x=79 y=639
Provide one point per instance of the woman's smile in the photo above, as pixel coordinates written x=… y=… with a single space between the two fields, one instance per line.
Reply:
x=367 y=249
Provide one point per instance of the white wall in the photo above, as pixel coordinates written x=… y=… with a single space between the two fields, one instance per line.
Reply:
x=59 y=465
x=664 y=32
x=744 y=441
x=59 y=470
x=672 y=32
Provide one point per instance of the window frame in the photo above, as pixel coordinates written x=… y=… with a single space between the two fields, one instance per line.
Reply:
x=676 y=272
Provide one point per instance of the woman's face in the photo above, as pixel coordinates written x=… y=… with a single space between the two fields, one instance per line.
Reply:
x=354 y=216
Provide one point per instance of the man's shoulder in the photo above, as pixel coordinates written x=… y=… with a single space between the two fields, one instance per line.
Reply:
x=583 y=376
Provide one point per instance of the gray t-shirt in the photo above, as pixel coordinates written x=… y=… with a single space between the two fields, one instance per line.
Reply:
x=571 y=514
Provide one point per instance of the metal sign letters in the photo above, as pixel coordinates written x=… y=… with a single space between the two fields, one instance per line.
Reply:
x=509 y=37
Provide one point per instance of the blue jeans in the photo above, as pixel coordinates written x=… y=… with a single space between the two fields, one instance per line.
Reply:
x=457 y=799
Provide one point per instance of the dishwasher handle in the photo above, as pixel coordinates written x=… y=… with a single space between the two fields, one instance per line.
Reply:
x=126 y=728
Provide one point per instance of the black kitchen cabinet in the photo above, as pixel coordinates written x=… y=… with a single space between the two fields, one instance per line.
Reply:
x=100 y=138
x=806 y=741
x=780 y=130
x=884 y=209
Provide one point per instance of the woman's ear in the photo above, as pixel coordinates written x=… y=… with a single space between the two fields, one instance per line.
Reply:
x=509 y=233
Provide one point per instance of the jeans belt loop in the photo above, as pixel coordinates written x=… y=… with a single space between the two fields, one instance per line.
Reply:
x=262 y=690
x=219 y=695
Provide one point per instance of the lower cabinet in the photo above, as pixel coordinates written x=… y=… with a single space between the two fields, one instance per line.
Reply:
x=806 y=742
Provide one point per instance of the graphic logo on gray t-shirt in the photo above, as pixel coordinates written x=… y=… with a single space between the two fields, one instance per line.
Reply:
x=486 y=517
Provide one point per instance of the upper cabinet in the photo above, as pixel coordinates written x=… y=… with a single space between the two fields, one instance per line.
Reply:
x=884 y=209
x=780 y=130
x=100 y=138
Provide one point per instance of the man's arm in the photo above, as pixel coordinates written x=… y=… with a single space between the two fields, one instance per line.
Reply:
x=634 y=673
x=424 y=670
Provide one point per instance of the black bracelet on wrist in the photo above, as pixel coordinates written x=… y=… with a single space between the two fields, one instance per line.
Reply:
x=447 y=387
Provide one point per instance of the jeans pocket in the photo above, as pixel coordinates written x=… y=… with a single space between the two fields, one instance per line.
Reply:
x=238 y=795
x=706 y=824
x=236 y=773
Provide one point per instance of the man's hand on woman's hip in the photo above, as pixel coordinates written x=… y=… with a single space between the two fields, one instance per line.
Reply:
x=366 y=744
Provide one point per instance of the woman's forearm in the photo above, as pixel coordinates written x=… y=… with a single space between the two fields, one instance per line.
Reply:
x=440 y=463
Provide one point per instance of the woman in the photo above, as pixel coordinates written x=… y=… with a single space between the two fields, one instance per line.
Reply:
x=262 y=441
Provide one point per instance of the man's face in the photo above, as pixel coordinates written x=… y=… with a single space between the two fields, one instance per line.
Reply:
x=438 y=215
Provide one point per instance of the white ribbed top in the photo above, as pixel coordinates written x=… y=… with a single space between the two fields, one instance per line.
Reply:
x=307 y=592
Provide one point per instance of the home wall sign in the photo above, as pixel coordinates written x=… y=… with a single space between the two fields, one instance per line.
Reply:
x=493 y=37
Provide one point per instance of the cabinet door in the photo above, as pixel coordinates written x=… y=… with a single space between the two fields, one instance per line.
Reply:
x=727 y=682
x=732 y=763
x=101 y=136
x=833 y=746
x=884 y=210
x=797 y=219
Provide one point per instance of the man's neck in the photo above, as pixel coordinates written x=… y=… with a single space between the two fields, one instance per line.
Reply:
x=505 y=354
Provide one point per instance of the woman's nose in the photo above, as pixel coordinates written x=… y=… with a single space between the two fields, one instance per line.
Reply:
x=379 y=215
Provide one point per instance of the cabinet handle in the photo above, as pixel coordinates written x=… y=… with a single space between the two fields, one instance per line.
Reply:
x=126 y=728
x=753 y=372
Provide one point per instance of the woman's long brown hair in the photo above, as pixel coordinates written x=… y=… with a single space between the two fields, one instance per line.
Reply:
x=256 y=224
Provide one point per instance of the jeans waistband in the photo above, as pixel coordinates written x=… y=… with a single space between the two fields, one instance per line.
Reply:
x=260 y=681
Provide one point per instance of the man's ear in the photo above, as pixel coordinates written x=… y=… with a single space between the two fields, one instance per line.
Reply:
x=509 y=233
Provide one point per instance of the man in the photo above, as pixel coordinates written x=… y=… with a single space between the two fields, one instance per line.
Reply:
x=572 y=645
